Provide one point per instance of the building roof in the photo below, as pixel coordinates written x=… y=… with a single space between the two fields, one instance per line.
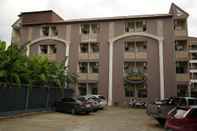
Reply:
x=102 y=19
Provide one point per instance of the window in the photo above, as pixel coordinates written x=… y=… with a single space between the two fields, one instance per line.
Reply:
x=129 y=46
x=83 y=67
x=93 y=87
x=54 y=31
x=85 y=28
x=139 y=67
x=44 y=49
x=181 y=45
x=182 y=90
x=141 y=46
x=135 y=26
x=180 y=24
x=181 y=67
x=84 y=47
x=88 y=88
x=142 y=91
x=135 y=46
x=94 y=28
x=194 y=56
x=94 y=67
x=45 y=30
x=94 y=47
x=49 y=31
x=48 y=49
x=52 y=49
x=89 y=28
x=130 y=26
x=82 y=88
x=194 y=46
x=129 y=92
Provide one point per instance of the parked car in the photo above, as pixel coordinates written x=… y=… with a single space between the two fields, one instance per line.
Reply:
x=73 y=105
x=95 y=104
x=100 y=99
x=160 y=108
x=139 y=103
x=182 y=119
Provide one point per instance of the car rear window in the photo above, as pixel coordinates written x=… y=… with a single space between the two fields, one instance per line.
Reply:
x=179 y=113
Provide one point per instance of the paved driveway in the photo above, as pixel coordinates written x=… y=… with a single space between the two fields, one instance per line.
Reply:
x=111 y=119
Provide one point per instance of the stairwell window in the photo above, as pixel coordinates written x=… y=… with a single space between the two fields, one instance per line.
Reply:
x=135 y=26
x=49 y=31
x=89 y=28
x=180 y=24
x=45 y=30
x=54 y=31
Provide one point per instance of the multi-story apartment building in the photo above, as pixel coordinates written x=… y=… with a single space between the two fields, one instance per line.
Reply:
x=144 y=56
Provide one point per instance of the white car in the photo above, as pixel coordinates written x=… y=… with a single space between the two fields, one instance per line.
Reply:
x=100 y=99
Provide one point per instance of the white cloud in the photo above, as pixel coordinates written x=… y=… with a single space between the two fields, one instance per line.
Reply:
x=9 y=10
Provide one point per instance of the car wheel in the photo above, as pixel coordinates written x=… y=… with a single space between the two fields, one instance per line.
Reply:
x=73 y=111
x=161 y=121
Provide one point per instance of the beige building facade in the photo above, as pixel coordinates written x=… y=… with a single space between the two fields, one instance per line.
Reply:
x=146 y=56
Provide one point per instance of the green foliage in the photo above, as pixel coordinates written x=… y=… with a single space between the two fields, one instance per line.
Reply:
x=16 y=68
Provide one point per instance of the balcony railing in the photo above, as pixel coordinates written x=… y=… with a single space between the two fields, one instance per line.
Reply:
x=88 y=76
x=86 y=56
x=182 y=77
x=137 y=55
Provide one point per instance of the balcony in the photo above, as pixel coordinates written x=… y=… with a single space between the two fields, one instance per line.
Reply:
x=181 y=32
x=182 y=77
x=138 y=55
x=87 y=56
x=88 y=76
x=194 y=70
x=193 y=81
x=182 y=55
x=88 y=37
x=192 y=61
x=51 y=57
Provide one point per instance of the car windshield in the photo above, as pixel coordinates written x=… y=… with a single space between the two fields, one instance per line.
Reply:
x=81 y=99
x=179 y=113
x=162 y=102
x=192 y=101
x=102 y=97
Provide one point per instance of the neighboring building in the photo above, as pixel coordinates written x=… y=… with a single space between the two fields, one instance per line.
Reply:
x=145 y=56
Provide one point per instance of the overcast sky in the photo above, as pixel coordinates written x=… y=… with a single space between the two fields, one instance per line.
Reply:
x=10 y=9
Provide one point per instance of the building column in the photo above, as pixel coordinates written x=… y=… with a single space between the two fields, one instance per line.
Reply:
x=67 y=54
x=110 y=92
x=27 y=50
x=161 y=68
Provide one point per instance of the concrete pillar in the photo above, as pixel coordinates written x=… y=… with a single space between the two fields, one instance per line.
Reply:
x=110 y=91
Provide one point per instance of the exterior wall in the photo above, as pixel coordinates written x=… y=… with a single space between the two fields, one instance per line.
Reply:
x=70 y=32
x=103 y=38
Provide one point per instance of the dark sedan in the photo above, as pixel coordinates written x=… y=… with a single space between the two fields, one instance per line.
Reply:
x=73 y=105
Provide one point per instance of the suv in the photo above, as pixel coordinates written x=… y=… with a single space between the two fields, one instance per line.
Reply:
x=160 y=108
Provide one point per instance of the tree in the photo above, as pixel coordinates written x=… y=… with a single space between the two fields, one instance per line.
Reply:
x=19 y=69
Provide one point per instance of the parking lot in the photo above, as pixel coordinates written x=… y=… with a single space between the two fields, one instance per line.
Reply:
x=110 y=119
